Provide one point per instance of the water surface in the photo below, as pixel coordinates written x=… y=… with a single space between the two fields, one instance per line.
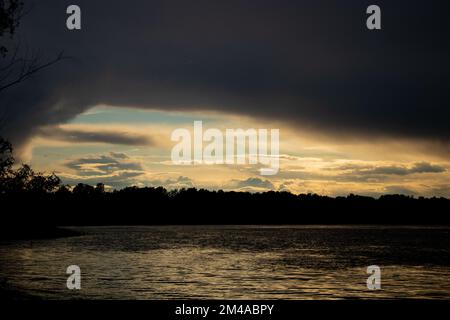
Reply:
x=233 y=262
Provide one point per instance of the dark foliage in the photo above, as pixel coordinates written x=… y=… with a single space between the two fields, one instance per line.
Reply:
x=23 y=179
x=87 y=205
x=16 y=67
x=10 y=13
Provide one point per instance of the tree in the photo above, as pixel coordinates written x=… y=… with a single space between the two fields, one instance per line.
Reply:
x=16 y=67
x=10 y=13
x=6 y=163
x=39 y=183
x=83 y=189
x=6 y=157
x=100 y=188
x=63 y=190
x=22 y=179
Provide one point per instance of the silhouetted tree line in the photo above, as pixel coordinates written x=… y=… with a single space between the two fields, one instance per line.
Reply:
x=35 y=199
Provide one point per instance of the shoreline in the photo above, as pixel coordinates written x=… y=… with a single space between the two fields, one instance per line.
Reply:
x=36 y=233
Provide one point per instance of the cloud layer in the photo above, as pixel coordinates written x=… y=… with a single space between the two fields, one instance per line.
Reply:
x=311 y=64
x=94 y=136
x=114 y=169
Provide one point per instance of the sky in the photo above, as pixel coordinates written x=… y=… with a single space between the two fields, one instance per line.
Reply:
x=359 y=111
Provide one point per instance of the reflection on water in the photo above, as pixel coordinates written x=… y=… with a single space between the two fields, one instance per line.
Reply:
x=234 y=262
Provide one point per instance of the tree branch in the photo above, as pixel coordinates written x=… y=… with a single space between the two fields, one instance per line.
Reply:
x=28 y=68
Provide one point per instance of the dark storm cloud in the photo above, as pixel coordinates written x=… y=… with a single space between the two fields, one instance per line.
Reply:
x=421 y=167
x=399 y=190
x=254 y=182
x=363 y=173
x=116 y=181
x=171 y=183
x=116 y=170
x=310 y=63
x=119 y=155
x=98 y=136
x=424 y=167
x=110 y=164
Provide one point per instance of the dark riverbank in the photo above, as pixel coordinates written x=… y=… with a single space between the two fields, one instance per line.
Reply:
x=158 y=206
x=9 y=293
x=27 y=232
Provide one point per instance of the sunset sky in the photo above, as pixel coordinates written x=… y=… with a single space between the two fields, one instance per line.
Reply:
x=359 y=111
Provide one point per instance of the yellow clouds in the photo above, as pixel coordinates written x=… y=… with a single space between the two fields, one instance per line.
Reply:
x=310 y=162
